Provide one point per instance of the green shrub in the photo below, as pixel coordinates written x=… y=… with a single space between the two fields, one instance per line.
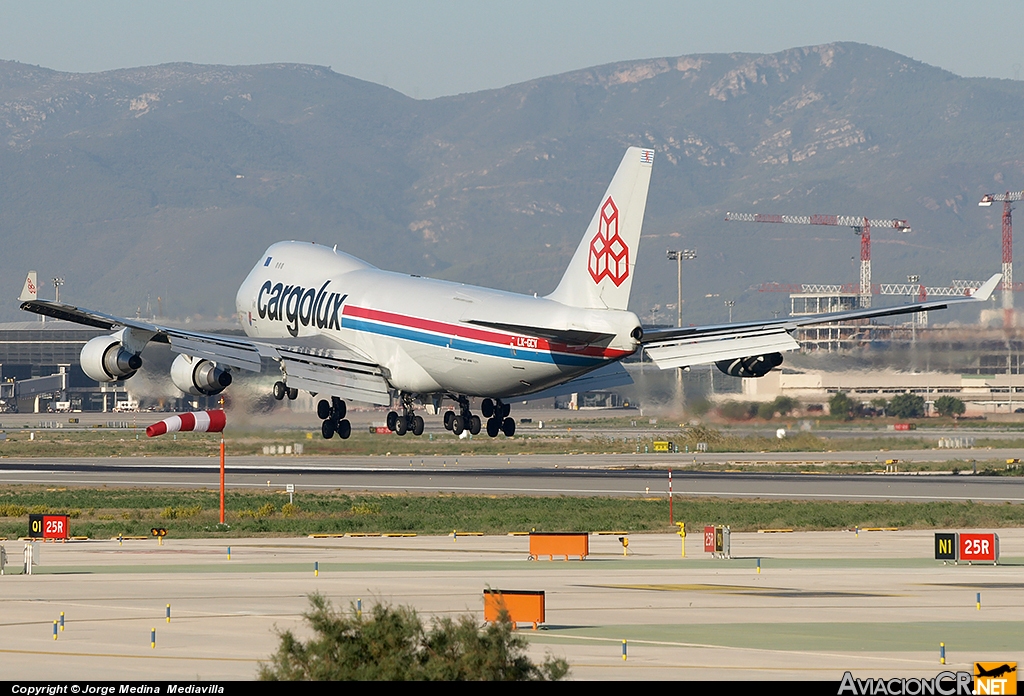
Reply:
x=392 y=644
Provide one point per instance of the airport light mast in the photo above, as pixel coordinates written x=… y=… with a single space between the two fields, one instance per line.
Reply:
x=861 y=226
x=1006 y=198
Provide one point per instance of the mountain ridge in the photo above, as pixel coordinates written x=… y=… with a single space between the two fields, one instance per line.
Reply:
x=170 y=180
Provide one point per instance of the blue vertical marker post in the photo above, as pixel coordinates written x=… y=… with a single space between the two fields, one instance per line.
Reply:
x=168 y=613
x=979 y=601
x=359 y=607
x=316 y=569
x=55 y=629
x=623 y=648
x=942 y=653
x=152 y=639
x=62 y=621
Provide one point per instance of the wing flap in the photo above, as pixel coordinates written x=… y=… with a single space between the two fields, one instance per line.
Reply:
x=241 y=354
x=711 y=349
x=335 y=376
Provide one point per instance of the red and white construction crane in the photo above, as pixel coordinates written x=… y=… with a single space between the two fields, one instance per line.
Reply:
x=860 y=225
x=1007 y=198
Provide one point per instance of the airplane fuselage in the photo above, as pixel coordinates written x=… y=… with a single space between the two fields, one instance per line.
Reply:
x=419 y=329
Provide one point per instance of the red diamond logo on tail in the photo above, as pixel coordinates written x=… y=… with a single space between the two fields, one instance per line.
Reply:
x=609 y=255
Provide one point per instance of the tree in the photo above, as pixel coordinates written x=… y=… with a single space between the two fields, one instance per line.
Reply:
x=391 y=644
x=950 y=406
x=784 y=405
x=907 y=406
x=842 y=405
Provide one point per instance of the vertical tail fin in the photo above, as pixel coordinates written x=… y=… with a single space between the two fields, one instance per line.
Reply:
x=600 y=273
x=30 y=291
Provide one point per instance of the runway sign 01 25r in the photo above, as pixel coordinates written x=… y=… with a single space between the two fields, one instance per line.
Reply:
x=48 y=526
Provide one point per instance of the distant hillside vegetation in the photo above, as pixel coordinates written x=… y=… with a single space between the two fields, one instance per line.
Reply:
x=169 y=181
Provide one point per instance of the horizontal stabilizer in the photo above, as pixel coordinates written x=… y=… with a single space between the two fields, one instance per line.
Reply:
x=607 y=377
x=570 y=336
x=711 y=349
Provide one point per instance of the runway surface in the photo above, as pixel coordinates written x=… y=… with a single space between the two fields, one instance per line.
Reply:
x=824 y=602
x=614 y=475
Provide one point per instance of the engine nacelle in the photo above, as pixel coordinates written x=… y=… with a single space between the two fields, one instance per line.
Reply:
x=198 y=377
x=104 y=359
x=756 y=366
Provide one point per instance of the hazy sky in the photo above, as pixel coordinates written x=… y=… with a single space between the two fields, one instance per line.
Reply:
x=428 y=49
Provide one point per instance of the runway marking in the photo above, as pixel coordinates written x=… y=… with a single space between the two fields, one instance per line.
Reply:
x=771 y=651
x=126 y=655
x=545 y=491
x=745 y=590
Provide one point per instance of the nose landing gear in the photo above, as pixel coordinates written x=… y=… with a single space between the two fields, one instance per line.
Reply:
x=281 y=390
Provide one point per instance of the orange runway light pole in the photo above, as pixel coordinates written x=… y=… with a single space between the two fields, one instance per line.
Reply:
x=222 y=479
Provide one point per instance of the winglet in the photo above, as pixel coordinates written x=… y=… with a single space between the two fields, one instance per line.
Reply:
x=29 y=291
x=986 y=290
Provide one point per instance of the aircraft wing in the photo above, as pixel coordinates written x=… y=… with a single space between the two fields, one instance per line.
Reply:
x=315 y=363
x=702 y=345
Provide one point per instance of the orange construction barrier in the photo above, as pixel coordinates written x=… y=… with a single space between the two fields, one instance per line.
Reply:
x=553 y=544
x=523 y=606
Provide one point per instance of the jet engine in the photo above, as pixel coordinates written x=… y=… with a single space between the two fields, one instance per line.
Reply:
x=198 y=377
x=756 y=366
x=104 y=359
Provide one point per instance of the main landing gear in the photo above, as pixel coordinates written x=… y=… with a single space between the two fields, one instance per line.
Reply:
x=407 y=421
x=333 y=415
x=462 y=421
x=496 y=413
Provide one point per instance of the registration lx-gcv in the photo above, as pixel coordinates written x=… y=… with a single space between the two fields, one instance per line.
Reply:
x=344 y=330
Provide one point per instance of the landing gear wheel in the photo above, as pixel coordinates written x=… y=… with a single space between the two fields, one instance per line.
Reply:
x=280 y=390
x=293 y=394
x=508 y=426
x=344 y=429
x=401 y=426
x=338 y=408
x=493 y=427
x=392 y=421
x=417 y=426
x=458 y=425
x=474 y=425
x=327 y=429
x=506 y=409
x=323 y=409
x=449 y=418
x=487 y=408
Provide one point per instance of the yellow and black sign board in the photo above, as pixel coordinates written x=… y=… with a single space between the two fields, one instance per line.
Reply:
x=158 y=532
x=946 y=546
x=995 y=678
x=662 y=446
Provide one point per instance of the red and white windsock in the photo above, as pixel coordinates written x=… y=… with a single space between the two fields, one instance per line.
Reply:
x=200 y=422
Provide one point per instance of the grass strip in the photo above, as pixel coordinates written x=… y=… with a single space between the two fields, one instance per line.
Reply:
x=104 y=513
